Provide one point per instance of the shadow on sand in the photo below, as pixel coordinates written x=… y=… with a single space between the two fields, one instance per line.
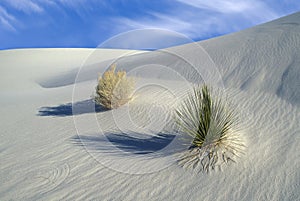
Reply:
x=69 y=109
x=125 y=142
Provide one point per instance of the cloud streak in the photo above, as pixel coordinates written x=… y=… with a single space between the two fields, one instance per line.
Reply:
x=253 y=10
x=6 y=20
x=215 y=17
x=26 y=6
x=222 y=6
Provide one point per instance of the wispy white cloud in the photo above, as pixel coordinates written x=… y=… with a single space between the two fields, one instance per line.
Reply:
x=32 y=7
x=11 y=22
x=184 y=19
x=201 y=18
x=157 y=20
x=191 y=28
x=26 y=6
x=186 y=22
x=6 y=20
x=223 y=6
x=178 y=23
x=249 y=8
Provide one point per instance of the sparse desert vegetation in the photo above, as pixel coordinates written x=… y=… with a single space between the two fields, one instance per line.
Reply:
x=114 y=89
x=211 y=125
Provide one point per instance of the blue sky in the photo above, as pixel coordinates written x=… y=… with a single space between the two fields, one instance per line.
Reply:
x=88 y=23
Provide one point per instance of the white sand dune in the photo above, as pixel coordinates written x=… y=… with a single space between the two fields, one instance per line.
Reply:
x=51 y=149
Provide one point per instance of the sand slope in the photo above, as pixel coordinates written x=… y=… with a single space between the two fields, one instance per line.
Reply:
x=45 y=156
x=262 y=58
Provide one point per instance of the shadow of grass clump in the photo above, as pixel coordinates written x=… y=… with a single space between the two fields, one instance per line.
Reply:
x=212 y=127
x=70 y=109
x=125 y=143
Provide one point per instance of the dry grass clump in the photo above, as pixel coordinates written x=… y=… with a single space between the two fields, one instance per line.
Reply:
x=212 y=128
x=114 y=89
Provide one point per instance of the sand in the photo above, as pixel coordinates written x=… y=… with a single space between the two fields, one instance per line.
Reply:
x=55 y=147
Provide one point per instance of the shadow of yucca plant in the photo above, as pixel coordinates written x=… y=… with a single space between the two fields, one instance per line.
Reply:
x=212 y=127
x=114 y=89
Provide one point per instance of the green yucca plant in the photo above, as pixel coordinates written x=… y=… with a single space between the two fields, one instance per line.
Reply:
x=114 y=89
x=211 y=126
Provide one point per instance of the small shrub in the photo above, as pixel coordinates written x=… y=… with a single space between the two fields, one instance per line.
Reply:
x=114 y=89
x=211 y=126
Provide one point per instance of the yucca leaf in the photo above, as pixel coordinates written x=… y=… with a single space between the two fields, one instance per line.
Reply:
x=210 y=123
